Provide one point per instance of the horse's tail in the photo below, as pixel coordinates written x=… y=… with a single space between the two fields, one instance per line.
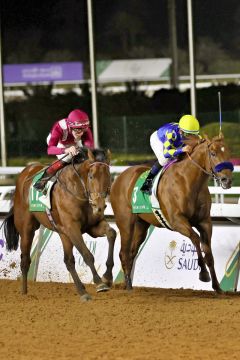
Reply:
x=10 y=231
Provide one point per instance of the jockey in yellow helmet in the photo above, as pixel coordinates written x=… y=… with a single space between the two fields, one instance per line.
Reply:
x=189 y=124
x=167 y=143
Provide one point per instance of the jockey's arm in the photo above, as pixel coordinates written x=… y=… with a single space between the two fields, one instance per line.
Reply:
x=169 y=150
x=87 y=139
x=55 y=135
x=169 y=153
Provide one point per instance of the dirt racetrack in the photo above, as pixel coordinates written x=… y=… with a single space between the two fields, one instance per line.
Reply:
x=52 y=323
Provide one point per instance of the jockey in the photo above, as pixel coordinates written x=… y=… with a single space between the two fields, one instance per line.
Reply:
x=167 y=143
x=65 y=139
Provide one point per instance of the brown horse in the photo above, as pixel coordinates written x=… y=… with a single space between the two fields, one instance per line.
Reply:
x=78 y=203
x=185 y=202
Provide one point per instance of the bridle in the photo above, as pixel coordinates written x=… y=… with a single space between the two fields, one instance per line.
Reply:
x=88 y=195
x=214 y=168
x=96 y=194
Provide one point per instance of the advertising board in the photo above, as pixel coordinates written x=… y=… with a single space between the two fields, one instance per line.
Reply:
x=43 y=72
x=166 y=259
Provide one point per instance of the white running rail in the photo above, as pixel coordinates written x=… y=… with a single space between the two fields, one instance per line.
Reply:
x=219 y=208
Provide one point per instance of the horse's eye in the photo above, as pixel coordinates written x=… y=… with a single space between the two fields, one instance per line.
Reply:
x=213 y=154
x=90 y=176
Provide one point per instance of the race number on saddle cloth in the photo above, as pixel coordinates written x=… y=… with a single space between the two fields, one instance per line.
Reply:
x=37 y=200
x=145 y=203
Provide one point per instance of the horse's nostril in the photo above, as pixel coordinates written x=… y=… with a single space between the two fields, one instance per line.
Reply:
x=226 y=182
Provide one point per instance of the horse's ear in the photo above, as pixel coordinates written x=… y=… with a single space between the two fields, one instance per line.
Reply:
x=109 y=155
x=91 y=156
x=205 y=136
x=221 y=136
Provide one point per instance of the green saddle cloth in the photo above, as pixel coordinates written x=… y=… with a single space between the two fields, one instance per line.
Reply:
x=34 y=203
x=141 y=202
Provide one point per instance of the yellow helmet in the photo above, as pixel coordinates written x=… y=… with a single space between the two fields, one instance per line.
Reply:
x=189 y=124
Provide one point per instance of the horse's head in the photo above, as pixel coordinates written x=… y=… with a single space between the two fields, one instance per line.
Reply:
x=98 y=179
x=219 y=163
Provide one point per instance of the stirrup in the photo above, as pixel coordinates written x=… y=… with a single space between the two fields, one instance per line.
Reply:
x=147 y=186
x=40 y=185
x=147 y=191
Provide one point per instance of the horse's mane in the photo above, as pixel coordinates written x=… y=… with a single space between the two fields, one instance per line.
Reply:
x=99 y=155
x=193 y=141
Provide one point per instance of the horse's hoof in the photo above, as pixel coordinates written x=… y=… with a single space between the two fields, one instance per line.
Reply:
x=86 y=297
x=106 y=281
x=129 y=288
x=102 y=287
x=204 y=276
x=219 y=291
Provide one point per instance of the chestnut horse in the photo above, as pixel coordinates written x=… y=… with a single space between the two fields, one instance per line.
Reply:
x=78 y=203
x=185 y=202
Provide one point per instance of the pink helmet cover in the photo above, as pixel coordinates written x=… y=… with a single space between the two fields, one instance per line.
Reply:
x=78 y=119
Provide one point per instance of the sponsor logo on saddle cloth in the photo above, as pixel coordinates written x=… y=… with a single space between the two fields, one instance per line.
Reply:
x=144 y=203
x=37 y=200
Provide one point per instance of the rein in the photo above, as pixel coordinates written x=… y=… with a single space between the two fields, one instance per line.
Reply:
x=212 y=174
x=65 y=186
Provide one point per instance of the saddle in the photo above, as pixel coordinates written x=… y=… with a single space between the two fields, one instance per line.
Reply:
x=37 y=200
x=143 y=203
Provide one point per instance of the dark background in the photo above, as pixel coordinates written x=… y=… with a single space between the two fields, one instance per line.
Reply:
x=45 y=31
x=35 y=31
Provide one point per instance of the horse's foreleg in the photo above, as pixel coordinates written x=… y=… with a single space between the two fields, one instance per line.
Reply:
x=78 y=242
x=70 y=265
x=185 y=229
x=205 y=229
x=103 y=229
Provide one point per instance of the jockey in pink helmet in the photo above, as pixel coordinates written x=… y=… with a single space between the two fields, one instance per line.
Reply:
x=66 y=137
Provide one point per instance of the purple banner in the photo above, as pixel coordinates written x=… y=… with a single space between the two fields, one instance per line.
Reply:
x=36 y=73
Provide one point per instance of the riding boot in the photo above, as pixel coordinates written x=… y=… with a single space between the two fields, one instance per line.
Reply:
x=148 y=183
x=48 y=174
